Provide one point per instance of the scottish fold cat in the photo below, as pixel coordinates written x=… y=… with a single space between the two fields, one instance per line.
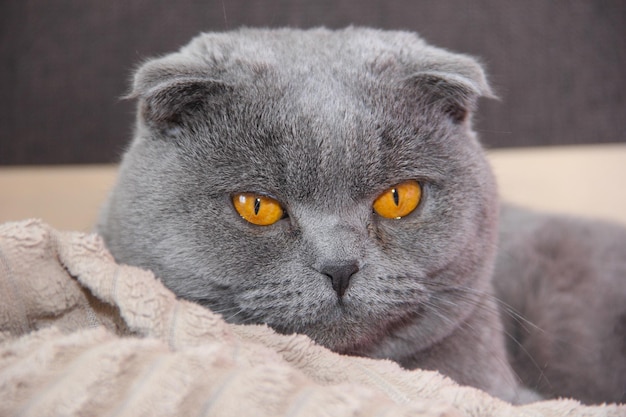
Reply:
x=329 y=183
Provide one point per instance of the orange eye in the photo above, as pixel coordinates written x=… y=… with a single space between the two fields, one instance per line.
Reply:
x=258 y=209
x=399 y=201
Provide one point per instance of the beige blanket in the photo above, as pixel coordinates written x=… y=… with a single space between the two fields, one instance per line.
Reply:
x=83 y=336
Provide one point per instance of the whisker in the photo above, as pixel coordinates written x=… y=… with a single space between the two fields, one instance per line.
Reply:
x=542 y=374
x=505 y=307
x=487 y=308
x=223 y=310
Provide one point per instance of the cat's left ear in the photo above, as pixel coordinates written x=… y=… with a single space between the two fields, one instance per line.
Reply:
x=171 y=90
x=451 y=86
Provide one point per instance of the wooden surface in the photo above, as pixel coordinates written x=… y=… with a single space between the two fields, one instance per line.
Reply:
x=582 y=180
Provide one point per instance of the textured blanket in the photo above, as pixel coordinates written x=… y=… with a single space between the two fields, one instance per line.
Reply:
x=83 y=336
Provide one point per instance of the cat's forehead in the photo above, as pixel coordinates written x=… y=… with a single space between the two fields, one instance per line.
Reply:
x=318 y=145
x=310 y=114
x=299 y=51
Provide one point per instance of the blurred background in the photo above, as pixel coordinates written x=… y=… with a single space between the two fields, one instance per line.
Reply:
x=559 y=67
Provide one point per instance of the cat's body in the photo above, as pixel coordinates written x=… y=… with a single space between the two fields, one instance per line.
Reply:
x=321 y=123
x=567 y=278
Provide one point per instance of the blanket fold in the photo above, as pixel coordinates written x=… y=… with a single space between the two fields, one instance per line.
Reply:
x=83 y=336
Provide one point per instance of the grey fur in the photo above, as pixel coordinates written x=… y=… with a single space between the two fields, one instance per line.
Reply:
x=567 y=278
x=323 y=121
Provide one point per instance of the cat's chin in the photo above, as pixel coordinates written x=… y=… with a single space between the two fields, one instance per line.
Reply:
x=355 y=327
x=347 y=332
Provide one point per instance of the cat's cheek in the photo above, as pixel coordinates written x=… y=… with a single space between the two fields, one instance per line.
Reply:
x=288 y=298
x=251 y=248
x=398 y=238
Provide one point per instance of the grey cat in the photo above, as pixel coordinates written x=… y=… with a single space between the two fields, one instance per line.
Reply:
x=329 y=183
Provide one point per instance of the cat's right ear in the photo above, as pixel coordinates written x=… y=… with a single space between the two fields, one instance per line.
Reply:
x=171 y=92
x=451 y=84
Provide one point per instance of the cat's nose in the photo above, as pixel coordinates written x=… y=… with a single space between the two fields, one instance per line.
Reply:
x=340 y=274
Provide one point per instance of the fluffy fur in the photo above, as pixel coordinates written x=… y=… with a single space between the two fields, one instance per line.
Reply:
x=322 y=121
x=567 y=279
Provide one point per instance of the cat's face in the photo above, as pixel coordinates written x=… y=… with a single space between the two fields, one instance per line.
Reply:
x=314 y=127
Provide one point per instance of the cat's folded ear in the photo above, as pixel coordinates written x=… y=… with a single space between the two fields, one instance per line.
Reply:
x=451 y=86
x=171 y=89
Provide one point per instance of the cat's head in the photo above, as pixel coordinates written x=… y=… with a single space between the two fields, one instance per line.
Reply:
x=353 y=149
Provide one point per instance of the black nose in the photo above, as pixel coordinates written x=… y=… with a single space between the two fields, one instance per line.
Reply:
x=340 y=274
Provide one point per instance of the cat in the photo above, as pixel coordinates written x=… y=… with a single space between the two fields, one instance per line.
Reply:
x=567 y=278
x=329 y=183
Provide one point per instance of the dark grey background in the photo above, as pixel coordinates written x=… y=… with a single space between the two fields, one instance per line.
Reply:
x=558 y=66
